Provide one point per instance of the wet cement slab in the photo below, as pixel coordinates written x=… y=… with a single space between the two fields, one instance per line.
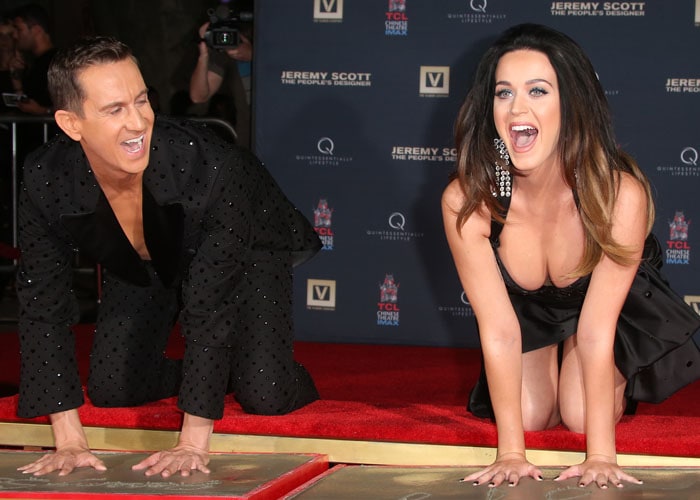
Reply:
x=233 y=476
x=432 y=483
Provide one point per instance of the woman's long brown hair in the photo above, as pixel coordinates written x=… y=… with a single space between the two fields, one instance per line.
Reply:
x=590 y=156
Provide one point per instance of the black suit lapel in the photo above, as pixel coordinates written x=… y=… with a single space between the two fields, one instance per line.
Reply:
x=163 y=229
x=99 y=236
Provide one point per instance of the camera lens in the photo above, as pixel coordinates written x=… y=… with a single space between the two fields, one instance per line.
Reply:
x=224 y=38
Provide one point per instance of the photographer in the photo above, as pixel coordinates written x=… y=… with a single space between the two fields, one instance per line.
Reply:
x=226 y=71
x=34 y=41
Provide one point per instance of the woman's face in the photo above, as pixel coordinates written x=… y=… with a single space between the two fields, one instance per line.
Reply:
x=526 y=108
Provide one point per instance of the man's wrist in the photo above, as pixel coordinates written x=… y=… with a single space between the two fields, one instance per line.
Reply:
x=196 y=431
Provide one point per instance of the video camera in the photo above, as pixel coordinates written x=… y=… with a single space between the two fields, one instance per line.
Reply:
x=224 y=27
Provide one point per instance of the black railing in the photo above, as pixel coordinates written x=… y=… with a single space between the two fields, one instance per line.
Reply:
x=10 y=122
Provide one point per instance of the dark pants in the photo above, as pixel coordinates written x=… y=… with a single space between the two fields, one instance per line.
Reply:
x=127 y=362
x=128 y=367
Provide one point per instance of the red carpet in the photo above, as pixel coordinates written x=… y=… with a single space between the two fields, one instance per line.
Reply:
x=392 y=393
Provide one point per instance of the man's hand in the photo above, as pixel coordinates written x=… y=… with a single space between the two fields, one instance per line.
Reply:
x=203 y=49
x=64 y=460
x=183 y=459
x=243 y=51
x=190 y=454
x=71 y=448
x=32 y=107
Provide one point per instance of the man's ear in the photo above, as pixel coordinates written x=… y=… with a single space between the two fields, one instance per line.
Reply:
x=69 y=123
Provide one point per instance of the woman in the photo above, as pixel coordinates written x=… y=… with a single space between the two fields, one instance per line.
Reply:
x=549 y=226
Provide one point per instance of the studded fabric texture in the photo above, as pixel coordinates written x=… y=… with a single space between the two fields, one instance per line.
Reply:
x=226 y=277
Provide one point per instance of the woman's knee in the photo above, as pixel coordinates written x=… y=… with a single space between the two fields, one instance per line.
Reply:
x=539 y=389
x=573 y=416
x=572 y=394
x=540 y=414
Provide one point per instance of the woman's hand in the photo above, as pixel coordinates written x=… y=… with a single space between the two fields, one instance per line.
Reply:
x=598 y=469
x=509 y=467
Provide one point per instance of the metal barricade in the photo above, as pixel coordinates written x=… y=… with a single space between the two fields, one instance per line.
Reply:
x=216 y=122
x=10 y=122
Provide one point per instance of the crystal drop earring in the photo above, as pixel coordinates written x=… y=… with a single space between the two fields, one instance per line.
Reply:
x=503 y=181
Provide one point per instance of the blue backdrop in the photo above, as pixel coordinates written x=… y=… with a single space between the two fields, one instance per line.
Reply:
x=355 y=103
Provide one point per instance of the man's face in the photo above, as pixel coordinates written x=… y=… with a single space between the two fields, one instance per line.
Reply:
x=23 y=35
x=115 y=131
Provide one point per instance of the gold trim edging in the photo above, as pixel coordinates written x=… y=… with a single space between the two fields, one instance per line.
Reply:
x=337 y=450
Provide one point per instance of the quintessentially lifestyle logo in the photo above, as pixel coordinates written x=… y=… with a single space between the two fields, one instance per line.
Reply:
x=682 y=85
x=322 y=223
x=597 y=9
x=328 y=11
x=388 y=305
x=396 y=19
x=677 y=246
x=434 y=81
x=477 y=14
x=689 y=156
x=324 y=155
x=688 y=166
x=396 y=230
x=325 y=146
x=320 y=294
x=461 y=310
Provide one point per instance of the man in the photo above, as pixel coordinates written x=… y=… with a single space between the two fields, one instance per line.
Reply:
x=185 y=226
x=224 y=76
x=33 y=39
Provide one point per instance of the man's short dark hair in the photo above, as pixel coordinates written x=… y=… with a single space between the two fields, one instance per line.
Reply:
x=33 y=15
x=67 y=64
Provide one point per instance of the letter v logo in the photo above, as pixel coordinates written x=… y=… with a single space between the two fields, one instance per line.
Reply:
x=328 y=10
x=328 y=5
x=694 y=302
x=320 y=294
x=435 y=80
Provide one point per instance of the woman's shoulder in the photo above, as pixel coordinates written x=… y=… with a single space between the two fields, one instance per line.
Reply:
x=630 y=191
x=454 y=197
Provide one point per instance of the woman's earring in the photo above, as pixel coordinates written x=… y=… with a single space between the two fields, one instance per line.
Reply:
x=502 y=175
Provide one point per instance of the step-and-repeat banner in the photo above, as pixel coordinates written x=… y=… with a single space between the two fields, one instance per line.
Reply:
x=355 y=102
